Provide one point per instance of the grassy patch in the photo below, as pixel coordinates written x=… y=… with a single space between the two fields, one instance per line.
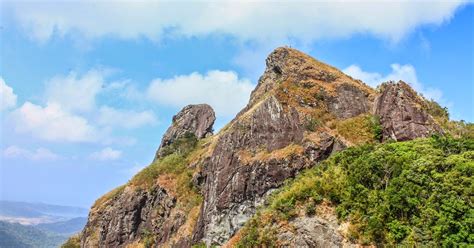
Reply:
x=73 y=242
x=361 y=129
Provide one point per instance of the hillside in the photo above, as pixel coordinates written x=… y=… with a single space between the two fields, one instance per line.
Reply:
x=413 y=193
x=20 y=236
x=202 y=188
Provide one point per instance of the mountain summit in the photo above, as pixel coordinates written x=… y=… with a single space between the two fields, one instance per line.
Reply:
x=202 y=188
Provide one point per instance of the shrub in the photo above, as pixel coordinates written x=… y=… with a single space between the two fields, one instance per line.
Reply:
x=312 y=124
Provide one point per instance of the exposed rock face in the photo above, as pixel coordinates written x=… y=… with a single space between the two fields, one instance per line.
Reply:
x=127 y=216
x=321 y=230
x=233 y=186
x=350 y=101
x=401 y=115
x=196 y=119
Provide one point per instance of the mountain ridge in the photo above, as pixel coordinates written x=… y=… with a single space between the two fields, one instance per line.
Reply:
x=207 y=187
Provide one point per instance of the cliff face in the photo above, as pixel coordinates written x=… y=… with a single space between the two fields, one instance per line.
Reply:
x=300 y=112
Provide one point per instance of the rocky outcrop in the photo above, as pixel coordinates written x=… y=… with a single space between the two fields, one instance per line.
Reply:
x=289 y=124
x=236 y=180
x=195 y=119
x=350 y=101
x=401 y=113
x=319 y=230
x=128 y=216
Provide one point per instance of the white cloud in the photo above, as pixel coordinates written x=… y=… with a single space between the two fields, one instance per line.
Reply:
x=106 y=154
x=246 y=20
x=406 y=73
x=7 y=97
x=223 y=90
x=38 y=154
x=52 y=123
x=125 y=118
x=73 y=92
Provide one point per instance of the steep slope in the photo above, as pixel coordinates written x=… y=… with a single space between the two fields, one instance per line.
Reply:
x=203 y=188
x=413 y=194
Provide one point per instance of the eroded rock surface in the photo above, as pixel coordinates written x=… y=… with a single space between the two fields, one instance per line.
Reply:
x=195 y=119
x=350 y=101
x=127 y=216
x=401 y=113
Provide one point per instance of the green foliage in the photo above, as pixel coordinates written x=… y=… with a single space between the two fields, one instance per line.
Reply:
x=312 y=124
x=376 y=127
x=415 y=193
x=20 y=236
x=181 y=146
x=175 y=165
x=435 y=110
x=200 y=245
x=257 y=235
x=360 y=129
x=148 y=239
x=72 y=242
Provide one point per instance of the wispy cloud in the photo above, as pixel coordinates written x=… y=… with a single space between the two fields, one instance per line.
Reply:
x=38 y=154
x=406 y=73
x=106 y=154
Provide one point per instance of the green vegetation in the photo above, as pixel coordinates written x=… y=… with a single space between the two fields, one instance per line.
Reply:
x=435 y=110
x=72 y=242
x=175 y=167
x=312 y=124
x=415 y=193
x=20 y=236
x=361 y=129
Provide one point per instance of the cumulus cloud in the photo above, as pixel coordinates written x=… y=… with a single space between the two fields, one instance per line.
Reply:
x=106 y=154
x=52 y=123
x=38 y=154
x=125 y=118
x=245 y=20
x=7 y=97
x=223 y=90
x=73 y=92
x=406 y=73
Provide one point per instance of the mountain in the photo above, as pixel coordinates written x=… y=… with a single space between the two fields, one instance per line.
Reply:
x=36 y=213
x=66 y=227
x=24 y=224
x=14 y=235
x=235 y=188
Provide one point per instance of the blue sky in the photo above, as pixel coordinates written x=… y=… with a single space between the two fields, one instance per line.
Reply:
x=89 y=88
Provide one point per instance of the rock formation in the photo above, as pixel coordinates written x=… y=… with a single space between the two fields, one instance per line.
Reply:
x=401 y=113
x=289 y=124
x=195 y=119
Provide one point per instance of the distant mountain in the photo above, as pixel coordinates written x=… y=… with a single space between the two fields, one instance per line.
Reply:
x=26 y=209
x=37 y=213
x=67 y=227
x=14 y=235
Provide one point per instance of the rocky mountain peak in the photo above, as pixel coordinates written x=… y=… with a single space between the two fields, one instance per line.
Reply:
x=301 y=112
x=195 y=119
x=401 y=112
x=285 y=63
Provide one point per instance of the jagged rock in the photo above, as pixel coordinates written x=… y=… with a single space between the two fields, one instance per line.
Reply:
x=320 y=230
x=232 y=188
x=350 y=101
x=128 y=216
x=401 y=114
x=196 y=119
